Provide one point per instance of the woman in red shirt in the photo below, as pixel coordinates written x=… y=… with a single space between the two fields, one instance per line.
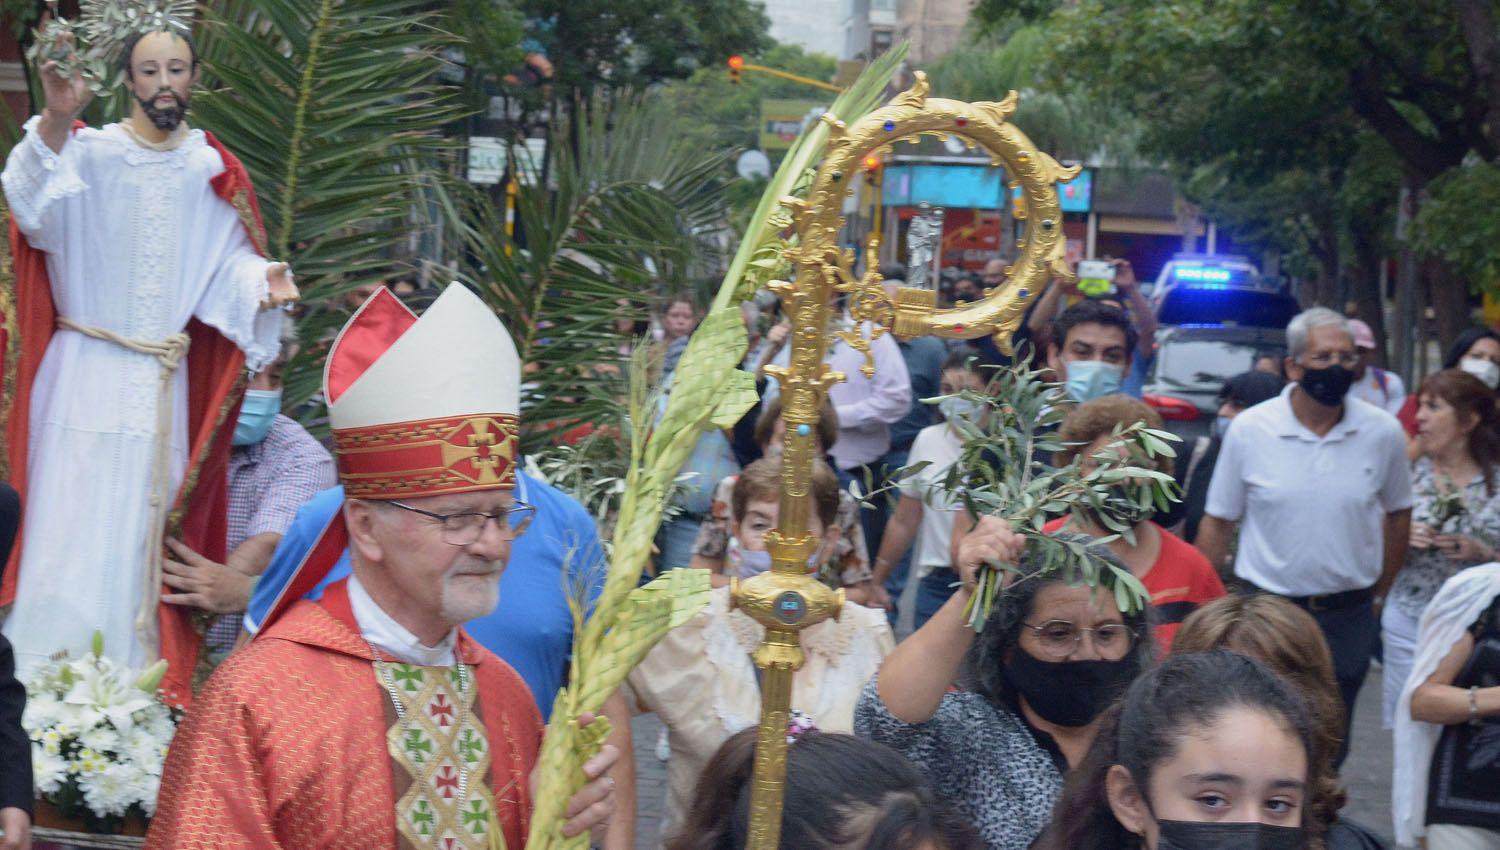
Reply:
x=1177 y=576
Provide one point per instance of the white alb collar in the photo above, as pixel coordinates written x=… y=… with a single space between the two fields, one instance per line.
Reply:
x=390 y=637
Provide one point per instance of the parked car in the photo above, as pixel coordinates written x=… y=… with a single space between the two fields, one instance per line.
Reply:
x=1193 y=362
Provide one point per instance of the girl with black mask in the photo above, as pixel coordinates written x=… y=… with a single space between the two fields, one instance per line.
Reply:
x=1052 y=656
x=1208 y=751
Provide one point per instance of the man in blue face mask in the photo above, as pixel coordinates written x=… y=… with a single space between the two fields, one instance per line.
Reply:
x=1090 y=349
x=275 y=466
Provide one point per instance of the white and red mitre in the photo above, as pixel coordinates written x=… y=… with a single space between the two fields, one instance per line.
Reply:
x=423 y=406
x=419 y=407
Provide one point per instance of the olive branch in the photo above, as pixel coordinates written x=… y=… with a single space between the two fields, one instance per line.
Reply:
x=1004 y=470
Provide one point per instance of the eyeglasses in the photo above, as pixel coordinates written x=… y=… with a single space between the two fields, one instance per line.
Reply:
x=1061 y=638
x=464 y=528
x=1326 y=358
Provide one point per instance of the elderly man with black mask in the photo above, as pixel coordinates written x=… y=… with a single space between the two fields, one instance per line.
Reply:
x=1321 y=485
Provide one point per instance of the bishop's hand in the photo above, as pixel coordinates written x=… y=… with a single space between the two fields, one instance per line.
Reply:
x=281 y=289
x=66 y=97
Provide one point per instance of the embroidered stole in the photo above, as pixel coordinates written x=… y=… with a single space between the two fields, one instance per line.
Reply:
x=441 y=737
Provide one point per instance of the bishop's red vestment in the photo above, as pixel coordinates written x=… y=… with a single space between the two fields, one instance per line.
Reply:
x=295 y=743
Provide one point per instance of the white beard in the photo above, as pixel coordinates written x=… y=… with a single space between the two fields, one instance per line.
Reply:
x=468 y=596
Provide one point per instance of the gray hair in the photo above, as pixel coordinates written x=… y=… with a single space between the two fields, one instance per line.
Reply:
x=1301 y=328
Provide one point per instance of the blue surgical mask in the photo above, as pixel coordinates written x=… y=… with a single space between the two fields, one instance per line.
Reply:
x=1091 y=379
x=955 y=408
x=745 y=563
x=1221 y=424
x=257 y=414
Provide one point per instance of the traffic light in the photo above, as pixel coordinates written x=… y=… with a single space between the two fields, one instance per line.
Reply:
x=736 y=62
x=873 y=164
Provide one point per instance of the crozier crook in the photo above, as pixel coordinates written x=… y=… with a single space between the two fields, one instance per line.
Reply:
x=786 y=599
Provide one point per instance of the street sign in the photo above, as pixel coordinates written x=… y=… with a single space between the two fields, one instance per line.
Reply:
x=782 y=120
x=486 y=160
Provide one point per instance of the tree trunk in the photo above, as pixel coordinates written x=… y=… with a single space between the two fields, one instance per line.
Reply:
x=1366 y=294
x=1476 y=20
x=1450 y=303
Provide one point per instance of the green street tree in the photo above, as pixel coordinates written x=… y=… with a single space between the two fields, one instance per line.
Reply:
x=1263 y=106
x=619 y=44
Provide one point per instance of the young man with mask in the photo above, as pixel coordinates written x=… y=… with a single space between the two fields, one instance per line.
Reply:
x=1126 y=297
x=1090 y=349
x=275 y=467
x=141 y=293
x=1323 y=489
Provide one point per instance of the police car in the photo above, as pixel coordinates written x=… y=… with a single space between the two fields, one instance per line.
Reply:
x=1216 y=316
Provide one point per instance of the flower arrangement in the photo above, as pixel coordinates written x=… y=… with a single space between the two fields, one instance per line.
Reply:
x=1448 y=505
x=99 y=736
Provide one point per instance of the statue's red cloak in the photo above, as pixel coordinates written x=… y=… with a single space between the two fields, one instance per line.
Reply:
x=215 y=367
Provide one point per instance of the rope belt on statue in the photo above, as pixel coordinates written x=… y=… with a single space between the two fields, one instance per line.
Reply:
x=169 y=353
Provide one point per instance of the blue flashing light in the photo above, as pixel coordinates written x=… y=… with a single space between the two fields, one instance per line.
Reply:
x=1203 y=325
x=1202 y=274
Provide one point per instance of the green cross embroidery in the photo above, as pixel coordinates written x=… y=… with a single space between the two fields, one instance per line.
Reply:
x=422 y=817
x=415 y=745
x=408 y=676
x=477 y=817
x=470 y=746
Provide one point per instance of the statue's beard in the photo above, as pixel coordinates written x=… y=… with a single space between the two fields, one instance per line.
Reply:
x=165 y=118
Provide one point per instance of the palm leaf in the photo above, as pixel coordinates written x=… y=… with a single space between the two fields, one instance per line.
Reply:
x=630 y=210
x=336 y=109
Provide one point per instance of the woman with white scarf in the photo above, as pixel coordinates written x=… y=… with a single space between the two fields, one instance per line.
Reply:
x=1448 y=720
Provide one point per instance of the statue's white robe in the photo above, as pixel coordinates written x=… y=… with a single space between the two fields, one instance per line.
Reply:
x=138 y=243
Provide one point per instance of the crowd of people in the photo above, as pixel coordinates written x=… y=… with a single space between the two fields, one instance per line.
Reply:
x=1328 y=520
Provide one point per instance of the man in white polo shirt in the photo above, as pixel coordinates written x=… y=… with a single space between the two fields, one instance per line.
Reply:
x=1323 y=489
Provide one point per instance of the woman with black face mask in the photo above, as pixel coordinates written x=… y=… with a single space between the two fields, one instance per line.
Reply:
x=1052 y=656
x=1208 y=751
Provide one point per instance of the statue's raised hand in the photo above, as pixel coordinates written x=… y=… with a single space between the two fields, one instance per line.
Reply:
x=65 y=96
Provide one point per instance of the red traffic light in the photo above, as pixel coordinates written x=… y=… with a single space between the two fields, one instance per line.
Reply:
x=872 y=162
x=736 y=62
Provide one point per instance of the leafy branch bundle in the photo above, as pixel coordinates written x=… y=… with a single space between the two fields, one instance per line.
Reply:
x=999 y=473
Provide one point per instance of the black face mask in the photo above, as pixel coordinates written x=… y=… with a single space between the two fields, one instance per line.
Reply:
x=1068 y=693
x=1186 y=835
x=1122 y=505
x=1328 y=385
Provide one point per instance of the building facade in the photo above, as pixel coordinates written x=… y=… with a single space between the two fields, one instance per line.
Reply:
x=934 y=27
x=816 y=26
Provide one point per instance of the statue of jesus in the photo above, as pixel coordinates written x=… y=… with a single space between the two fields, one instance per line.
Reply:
x=139 y=297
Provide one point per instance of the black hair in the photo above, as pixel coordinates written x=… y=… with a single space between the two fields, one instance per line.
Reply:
x=127 y=48
x=892 y=271
x=965 y=357
x=1464 y=342
x=1248 y=389
x=841 y=792
x=1144 y=729
x=984 y=668
x=1091 y=312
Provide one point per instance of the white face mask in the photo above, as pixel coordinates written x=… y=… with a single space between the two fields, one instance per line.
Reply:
x=1485 y=370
